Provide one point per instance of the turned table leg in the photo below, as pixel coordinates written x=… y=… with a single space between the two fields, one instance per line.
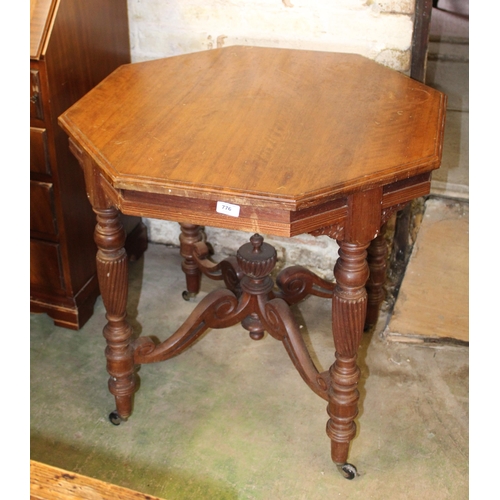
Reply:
x=349 y=310
x=112 y=272
x=190 y=235
x=377 y=255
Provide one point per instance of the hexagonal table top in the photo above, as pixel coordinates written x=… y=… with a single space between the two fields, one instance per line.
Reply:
x=290 y=126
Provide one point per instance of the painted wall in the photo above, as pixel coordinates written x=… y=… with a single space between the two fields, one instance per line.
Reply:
x=379 y=29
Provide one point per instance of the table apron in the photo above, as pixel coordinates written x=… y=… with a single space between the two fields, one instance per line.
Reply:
x=271 y=221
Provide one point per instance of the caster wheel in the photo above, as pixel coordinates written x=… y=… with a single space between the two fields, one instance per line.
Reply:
x=347 y=470
x=188 y=295
x=115 y=418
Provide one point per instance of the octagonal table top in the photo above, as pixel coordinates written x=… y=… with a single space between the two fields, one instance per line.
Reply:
x=277 y=126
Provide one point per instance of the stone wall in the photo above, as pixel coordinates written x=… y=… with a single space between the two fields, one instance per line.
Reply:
x=378 y=29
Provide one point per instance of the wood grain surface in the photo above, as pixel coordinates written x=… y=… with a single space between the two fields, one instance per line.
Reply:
x=282 y=125
x=52 y=483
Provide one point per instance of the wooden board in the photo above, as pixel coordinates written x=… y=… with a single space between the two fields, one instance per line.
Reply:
x=433 y=303
x=52 y=483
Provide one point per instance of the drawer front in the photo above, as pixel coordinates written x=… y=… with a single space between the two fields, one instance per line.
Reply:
x=39 y=151
x=45 y=265
x=42 y=213
x=36 y=109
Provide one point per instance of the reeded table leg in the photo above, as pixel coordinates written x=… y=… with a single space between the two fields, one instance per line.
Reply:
x=112 y=272
x=349 y=310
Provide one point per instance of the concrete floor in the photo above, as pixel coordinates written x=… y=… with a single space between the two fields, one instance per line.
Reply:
x=231 y=418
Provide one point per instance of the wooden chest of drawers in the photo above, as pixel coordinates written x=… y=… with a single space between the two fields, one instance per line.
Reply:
x=73 y=46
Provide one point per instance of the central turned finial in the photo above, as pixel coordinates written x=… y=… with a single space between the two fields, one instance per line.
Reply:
x=256 y=258
x=256 y=240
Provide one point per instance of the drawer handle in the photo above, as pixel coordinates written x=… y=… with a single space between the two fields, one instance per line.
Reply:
x=34 y=98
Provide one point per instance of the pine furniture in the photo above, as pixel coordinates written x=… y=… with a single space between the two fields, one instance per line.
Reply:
x=52 y=483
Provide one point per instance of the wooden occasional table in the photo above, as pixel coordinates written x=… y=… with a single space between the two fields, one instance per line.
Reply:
x=272 y=141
